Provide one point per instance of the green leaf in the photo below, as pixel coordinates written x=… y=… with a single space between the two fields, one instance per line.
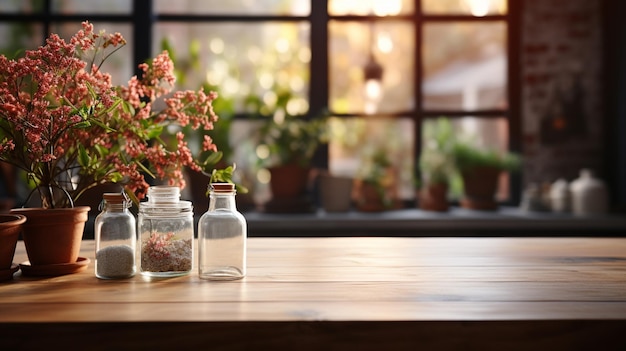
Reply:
x=145 y=169
x=83 y=124
x=102 y=125
x=154 y=131
x=128 y=108
x=114 y=106
x=213 y=159
x=83 y=158
x=131 y=196
x=115 y=177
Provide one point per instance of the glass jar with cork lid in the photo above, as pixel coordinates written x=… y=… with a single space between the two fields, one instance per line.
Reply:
x=115 y=238
x=165 y=226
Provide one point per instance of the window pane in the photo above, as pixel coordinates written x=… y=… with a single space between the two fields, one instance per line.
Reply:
x=19 y=36
x=392 y=44
x=375 y=7
x=485 y=133
x=353 y=141
x=465 y=66
x=120 y=64
x=92 y=6
x=477 y=8
x=259 y=67
x=242 y=138
x=21 y=6
x=237 y=7
x=255 y=68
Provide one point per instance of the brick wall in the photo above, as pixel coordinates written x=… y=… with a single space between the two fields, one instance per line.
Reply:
x=562 y=112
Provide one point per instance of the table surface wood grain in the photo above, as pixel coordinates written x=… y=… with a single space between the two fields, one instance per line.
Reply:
x=306 y=293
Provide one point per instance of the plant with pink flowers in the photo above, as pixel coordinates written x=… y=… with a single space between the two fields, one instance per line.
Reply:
x=69 y=129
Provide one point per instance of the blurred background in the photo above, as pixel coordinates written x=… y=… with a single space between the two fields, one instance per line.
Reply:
x=542 y=78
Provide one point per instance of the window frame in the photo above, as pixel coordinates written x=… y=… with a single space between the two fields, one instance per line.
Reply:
x=142 y=20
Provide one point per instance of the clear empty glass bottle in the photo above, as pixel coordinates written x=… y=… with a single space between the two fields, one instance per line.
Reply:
x=115 y=237
x=222 y=233
x=165 y=225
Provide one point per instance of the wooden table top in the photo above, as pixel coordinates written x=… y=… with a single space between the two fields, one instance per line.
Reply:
x=572 y=289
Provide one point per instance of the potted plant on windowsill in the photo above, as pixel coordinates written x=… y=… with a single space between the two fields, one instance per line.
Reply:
x=69 y=129
x=436 y=166
x=480 y=170
x=291 y=143
x=375 y=188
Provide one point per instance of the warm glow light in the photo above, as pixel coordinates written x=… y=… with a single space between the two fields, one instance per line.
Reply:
x=262 y=151
x=479 y=8
x=266 y=80
x=386 y=7
x=373 y=92
x=372 y=89
x=384 y=43
x=230 y=86
x=279 y=116
x=254 y=54
x=370 y=107
x=296 y=83
x=270 y=98
x=365 y=7
x=282 y=45
x=216 y=45
x=263 y=176
x=293 y=107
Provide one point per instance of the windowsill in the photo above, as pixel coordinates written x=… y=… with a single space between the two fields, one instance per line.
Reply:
x=507 y=221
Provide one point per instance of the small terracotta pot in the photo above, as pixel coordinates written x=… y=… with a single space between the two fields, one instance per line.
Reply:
x=53 y=236
x=288 y=181
x=434 y=197
x=368 y=197
x=10 y=227
x=480 y=185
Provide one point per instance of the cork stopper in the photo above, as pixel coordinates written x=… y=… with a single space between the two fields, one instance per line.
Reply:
x=114 y=198
x=222 y=187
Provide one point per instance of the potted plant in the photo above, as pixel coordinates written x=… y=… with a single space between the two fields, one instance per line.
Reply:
x=436 y=165
x=480 y=170
x=375 y=184
x=69 y=129
x=291 y=143
x=10 y=228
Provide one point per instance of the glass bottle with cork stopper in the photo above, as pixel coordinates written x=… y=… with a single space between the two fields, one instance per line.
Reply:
x=222 y=235
x=115 y=237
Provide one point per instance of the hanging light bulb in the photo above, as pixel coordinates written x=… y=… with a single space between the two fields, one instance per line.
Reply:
x=373 y=74
x=373 y=85
x=373 y=78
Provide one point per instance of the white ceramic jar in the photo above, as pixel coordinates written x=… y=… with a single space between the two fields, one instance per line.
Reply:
x=589 y=194
x=560 y=196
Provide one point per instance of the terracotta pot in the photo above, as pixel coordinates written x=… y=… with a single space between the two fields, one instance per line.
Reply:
x=434 y=197
x=480 y=185
x=368 y=198
x=10 y=227
x=53 y=236
x=288 y=181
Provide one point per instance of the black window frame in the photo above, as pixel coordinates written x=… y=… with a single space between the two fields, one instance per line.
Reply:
x=143 y=18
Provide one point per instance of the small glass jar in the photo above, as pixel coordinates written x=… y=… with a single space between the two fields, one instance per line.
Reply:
x=115 y=237
x=222 y=233
x=165 y=225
